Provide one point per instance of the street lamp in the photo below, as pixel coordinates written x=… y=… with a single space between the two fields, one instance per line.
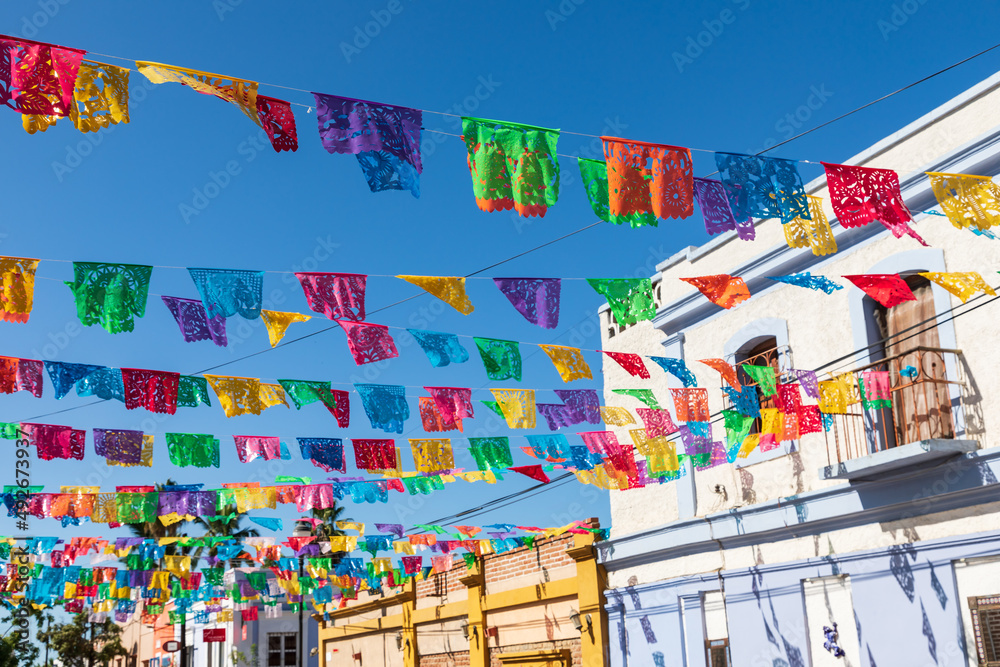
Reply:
x=302 y=529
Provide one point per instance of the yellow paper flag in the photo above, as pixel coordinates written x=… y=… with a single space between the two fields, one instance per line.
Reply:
x=569 y=362
x=240 y=92
x=17 y=288
x=449 y=290
x=517 y=405
x=962 y=285
x=277 y=322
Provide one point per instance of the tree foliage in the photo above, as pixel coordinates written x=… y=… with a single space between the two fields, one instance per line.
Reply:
x=76 y=647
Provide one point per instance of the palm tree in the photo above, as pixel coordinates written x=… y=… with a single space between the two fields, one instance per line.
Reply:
x=329 y=516
x=227 y=524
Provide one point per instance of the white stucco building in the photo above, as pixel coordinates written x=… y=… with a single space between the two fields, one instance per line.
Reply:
x=888 y=523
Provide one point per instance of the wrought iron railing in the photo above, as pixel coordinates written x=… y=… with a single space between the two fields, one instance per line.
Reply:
x=925 y=389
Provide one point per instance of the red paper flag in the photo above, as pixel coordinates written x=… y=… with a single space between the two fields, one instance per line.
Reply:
x=630 y=362
x=722 y=290
x=862 y=194
x=278 y=121
x=154 y=390
x=534 y=472
x=888 y=289
x=368 y=342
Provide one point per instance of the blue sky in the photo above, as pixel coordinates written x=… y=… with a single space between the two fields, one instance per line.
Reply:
x=725 y=75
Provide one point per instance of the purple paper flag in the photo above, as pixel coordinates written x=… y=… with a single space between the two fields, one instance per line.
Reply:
x=118 y=445
x=716 y=211
x=194 y=322
x=537 y=299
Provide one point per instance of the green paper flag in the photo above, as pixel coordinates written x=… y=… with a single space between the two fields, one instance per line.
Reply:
x=501 y=358
x=512 y=166
x=304 y=392
x=192 y=391
x=193 y=449
x=491 y=453
x=595 y=180
x=763 y=376
x=470 y=560
x=874 y=404
x=644 y=395
x=110 y=294
x=630 y=299
x=737 y=428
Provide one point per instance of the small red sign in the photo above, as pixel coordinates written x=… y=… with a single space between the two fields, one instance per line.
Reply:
x=213 y=635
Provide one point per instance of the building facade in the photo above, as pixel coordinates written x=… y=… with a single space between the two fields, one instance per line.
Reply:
x=521 y=608
x=875 y=541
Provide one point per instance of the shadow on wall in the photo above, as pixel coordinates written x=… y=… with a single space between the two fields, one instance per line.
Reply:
x=972 y=402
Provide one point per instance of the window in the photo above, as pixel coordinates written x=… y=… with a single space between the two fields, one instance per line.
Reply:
x=763 y=353
x=713 y=606
x=986 y=628
x=282 y=649
x=921 y=406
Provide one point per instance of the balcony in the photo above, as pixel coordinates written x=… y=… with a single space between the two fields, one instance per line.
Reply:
x=920 y=425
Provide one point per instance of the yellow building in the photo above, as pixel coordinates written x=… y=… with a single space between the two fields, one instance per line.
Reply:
x=525 y=607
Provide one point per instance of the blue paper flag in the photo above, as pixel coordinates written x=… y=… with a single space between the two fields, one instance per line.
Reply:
x=441 y=348
x=805 y=279
x=228 y=292
x=267 y=522
x=65 y=375
x=678 y=369
x=385 y=405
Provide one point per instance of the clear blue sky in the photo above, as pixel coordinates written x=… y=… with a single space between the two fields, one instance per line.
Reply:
x=723 y=75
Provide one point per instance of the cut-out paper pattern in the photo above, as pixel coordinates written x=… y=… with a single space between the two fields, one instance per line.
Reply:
x=20 y=375
x=17 y=288
x=836 y=394
x=789 y=400
x=441 y=348
x=537 y=299
x=38 y=78
x=501 y=358
x=963 y=285
x=56 y=442
x=644 y=395
x=385 y=405
x=272 y=395
x=374 y=455
x=455 y=403
x=724 y=369
x=121 y=446
x=192 y=391
x=968 y=201
x=100 y=99
x=862 y=194
x=649 y=178
x=631 y=363
x=339 y=296
x=658 y=423
x=513 y=166
x=535 y=472
x=595 y=180
x=193 y=449
x=65 y=375
x=450 y=290
x=553 y=448
x=491 y=453
x=250 y=447
x=193 y=321
x=809 y=281
x=583 y=401
x=887 y=289
x=808 y=381
x=277 y=323
x=764 y=377
x=228 y=292
x=678 y=369
x=306 y=392
x=737 y=428
x=569 y=362
x=874 y=388
x=713 y=200
x=691 y=405
x=630 y=299
x=110 y=294
x=154 y=390
x=613 y=415
x=433 y=420
x=384 y=138
x=278 y=121
x=813 y=233
x=237 y=395
x=104 y=383
x=236 y=91
x=722 y=290
x=517 y=405
x=145 y=455
x=368 y=342
x=432 y=455
x=325 y=453
x=763 y=187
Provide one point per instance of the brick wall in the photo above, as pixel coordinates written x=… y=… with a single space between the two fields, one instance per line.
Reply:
x=572 y=644
x=455 y=659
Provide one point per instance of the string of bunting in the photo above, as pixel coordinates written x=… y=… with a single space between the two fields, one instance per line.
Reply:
x=513 y=166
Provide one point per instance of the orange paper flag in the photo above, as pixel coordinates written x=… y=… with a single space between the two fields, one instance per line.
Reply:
x=722 y=290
